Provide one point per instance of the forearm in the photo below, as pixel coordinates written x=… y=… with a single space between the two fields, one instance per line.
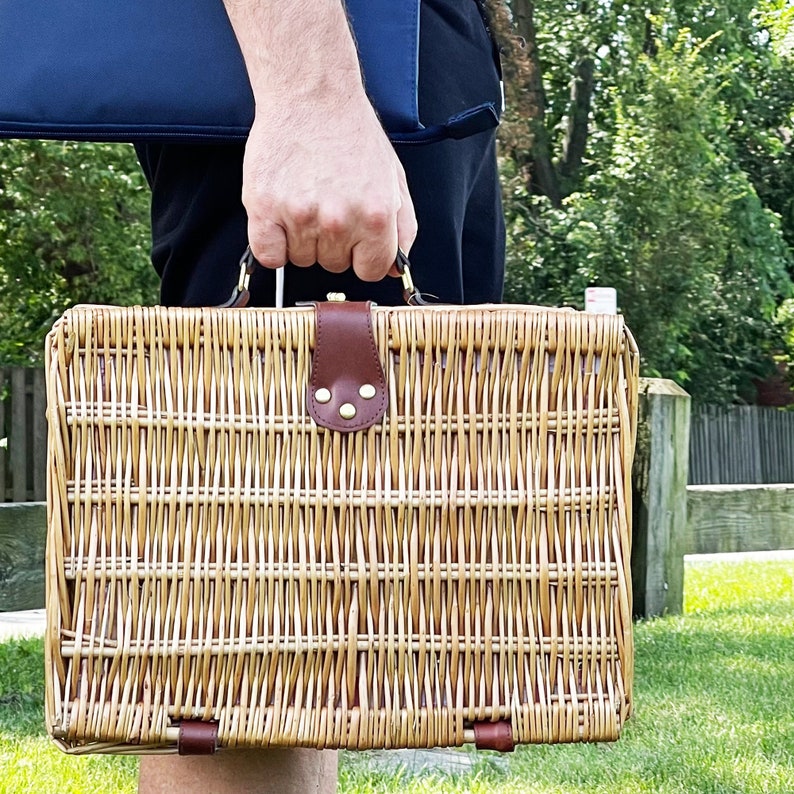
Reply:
x=321 y=182
x=297 y=50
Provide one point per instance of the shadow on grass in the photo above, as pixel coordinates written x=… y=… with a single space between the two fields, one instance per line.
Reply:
x=742 y=661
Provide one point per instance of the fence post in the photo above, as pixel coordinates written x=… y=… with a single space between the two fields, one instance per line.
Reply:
x=17 y=436
x=4 y=445
x=39 y=423
x=659 y=477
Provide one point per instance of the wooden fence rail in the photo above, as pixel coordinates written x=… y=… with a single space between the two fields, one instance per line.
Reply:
x=747 y=444
x=23 y=435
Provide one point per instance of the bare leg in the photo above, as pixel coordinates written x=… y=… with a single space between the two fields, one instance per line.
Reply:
x=285 y=771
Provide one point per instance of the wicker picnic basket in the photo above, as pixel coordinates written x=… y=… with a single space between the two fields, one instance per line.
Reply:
x=249 y=546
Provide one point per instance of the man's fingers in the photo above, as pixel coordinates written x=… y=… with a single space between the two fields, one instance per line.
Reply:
x=406 y=220
x=373 y=262
x=376 y=250
x=334 y=239
x=268 y=243
x=299 y=216
x=302 y=250
x=328 y=237
x=406 y=224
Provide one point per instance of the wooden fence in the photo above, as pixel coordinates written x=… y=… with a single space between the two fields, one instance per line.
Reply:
x=745 y=444
x=23 y=435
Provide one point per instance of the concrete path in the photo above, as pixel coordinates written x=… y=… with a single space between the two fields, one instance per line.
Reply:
x=22 y=624
x=741 y=556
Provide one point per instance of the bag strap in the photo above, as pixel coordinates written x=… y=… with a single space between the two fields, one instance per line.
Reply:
x=470 y=122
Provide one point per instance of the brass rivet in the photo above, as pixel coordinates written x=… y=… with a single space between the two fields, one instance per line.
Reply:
x=367 y=391
x=347 y=411
x=322 y=396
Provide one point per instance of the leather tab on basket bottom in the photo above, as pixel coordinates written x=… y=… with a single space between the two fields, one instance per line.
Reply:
x=197 y=738
x=347 y=391
x=494 y=736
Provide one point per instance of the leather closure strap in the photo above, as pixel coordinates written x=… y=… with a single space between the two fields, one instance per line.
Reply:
x=347 y=391
x=197 y=738
x=494 y=736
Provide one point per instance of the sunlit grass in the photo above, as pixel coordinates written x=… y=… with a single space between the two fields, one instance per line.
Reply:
x=714 y=692
x=765 y=587
x=28 y=761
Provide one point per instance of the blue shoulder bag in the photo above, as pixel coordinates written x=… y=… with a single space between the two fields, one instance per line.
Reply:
x=101 y=70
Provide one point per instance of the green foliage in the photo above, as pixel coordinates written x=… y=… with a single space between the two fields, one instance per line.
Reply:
x=21 y=687
x=681 y=201
x=73 y=229
x=784 y=320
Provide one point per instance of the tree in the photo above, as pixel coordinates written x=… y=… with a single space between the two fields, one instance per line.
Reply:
x=73 y=229
x=625 y=165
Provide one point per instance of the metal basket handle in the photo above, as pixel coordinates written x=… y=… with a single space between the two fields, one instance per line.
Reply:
x=240 y=294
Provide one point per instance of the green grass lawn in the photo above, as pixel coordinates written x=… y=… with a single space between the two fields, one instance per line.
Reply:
x=714 y=711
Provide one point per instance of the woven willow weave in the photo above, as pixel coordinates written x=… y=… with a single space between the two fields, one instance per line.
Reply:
x=214 y=555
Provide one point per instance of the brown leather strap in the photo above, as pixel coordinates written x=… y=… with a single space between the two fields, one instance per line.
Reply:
x=494 y=736
x=197 y=738
x=348 y=388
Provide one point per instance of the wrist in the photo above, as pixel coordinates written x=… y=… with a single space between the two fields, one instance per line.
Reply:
x=330 y=90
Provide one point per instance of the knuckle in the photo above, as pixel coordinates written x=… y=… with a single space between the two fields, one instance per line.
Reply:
x=301 y=212
x=333 y=224
x=258 y=203
x=377 y=219
x=411 y=229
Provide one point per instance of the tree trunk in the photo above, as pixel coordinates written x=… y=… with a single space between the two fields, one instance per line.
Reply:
x=546 y=178
x=578 y=121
